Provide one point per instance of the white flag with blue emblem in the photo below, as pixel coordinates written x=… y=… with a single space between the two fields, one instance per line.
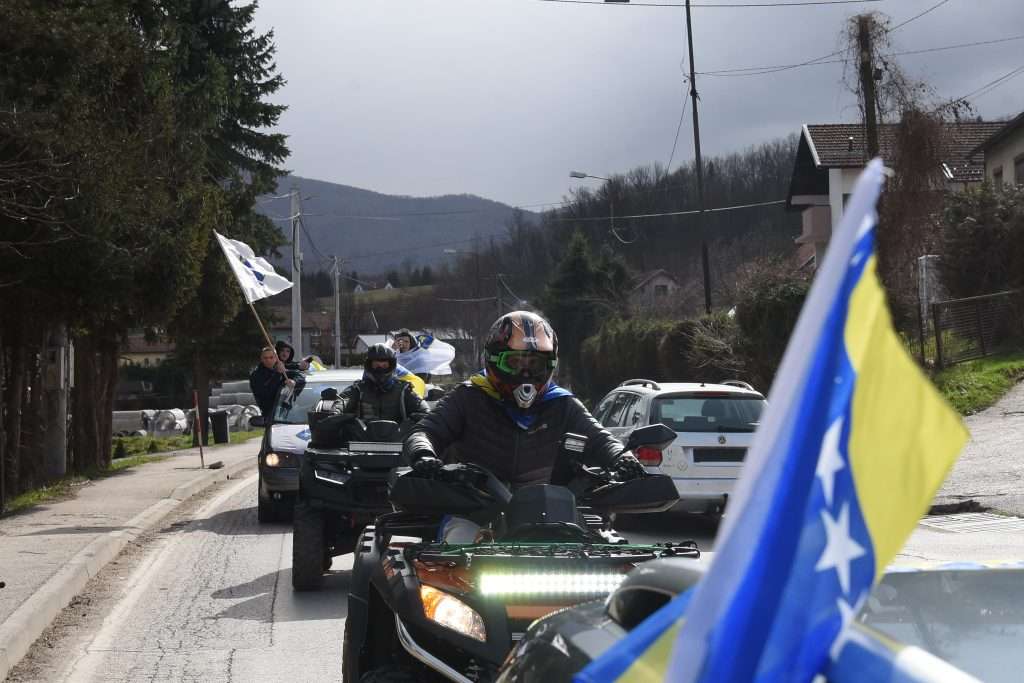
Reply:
x=256 y=276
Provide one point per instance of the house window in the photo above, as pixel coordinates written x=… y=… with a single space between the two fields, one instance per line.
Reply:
x=660 y=290
x=997 y=177
x=1018 y=170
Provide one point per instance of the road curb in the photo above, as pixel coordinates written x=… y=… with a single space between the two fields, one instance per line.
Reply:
x=27 y=623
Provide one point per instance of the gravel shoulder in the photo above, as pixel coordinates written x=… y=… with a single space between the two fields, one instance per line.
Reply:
x=991 y=468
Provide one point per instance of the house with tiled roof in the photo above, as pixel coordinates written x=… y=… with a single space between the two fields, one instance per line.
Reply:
x=654 y=289
x=1004 y=154
x=830 y=157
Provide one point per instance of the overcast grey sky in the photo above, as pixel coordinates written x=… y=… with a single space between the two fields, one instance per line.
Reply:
x=501 y=98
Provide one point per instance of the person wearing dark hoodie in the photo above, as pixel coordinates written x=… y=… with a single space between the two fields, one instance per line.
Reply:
x=511 y=418
x=267 y=379
x=286 y=352
x=380 y=395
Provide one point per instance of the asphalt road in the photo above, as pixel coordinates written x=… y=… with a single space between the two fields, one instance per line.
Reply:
x=209 y=598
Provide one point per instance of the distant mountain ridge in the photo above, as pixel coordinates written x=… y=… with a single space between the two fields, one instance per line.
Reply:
x=378 y=232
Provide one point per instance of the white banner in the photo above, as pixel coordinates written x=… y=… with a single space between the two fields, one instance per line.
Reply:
x=256 y=276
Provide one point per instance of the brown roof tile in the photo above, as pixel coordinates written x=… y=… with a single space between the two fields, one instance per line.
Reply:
x=835 y=149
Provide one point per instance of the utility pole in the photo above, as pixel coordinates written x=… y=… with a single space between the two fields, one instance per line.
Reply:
x=497 y=284
x=865 y=24
x=704 y=260
x=296 y=216
x=337 y=313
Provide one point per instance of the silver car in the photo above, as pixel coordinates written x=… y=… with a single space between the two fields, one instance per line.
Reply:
x=714 y=425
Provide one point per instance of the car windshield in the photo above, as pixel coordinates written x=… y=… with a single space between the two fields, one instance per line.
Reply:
x=293 y=406
x=707 y=412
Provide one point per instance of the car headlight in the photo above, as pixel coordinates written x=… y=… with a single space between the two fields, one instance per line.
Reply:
x=450 y=612
x=272 y=460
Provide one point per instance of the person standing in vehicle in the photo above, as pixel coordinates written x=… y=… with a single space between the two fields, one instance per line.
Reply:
x=379 y=395
x=511 y=418
x=267 y=379
x=286 y=352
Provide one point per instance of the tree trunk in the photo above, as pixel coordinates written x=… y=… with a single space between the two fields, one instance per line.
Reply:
x=15 y=401
x=3 y=423
x=93 y=400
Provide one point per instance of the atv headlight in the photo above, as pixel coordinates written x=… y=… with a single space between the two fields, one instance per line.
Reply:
x=452 y=613
x=540 y=583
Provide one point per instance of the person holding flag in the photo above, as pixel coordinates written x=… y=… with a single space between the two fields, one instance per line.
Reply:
x=423 y=354
x=850 y=452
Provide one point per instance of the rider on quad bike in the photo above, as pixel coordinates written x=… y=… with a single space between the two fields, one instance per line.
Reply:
x=512 y=406
x=379 y=395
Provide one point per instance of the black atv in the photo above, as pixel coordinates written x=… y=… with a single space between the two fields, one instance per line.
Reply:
x=423 y=610
x=343 y=484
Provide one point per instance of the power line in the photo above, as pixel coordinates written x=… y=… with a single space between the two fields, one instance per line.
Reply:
x=682 y=116
x=509 y=289
x=758 y=71
x=991 y=85
x=931 y=9
x=676 y=213
x=765 y=70
x=796 y=3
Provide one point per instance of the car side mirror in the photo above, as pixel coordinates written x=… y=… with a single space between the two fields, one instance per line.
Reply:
x=435 y=394
x=257 y=421
x=656 y=436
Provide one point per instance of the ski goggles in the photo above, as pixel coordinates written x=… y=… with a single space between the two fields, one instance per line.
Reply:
x=529 y=363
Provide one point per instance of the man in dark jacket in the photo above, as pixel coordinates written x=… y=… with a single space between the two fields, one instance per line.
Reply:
x=512 y=418
x=379 y=395
x=267 y=379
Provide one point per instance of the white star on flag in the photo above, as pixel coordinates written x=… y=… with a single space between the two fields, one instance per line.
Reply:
x=840 y=548
x=830 y=460
x=846 y=614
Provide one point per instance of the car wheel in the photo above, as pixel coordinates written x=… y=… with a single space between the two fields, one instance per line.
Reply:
x=308 y=547
x=266 y=510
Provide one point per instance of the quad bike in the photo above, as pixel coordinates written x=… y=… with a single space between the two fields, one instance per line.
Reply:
x=423 y=610
x=343 y=486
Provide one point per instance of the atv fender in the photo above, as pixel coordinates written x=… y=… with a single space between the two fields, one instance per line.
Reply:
x=365 y=562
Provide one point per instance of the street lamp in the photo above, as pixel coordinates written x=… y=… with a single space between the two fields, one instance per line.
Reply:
x=611 y=201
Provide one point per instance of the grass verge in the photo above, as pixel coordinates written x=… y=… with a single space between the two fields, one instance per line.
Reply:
x=137 y=452
x=975 y=385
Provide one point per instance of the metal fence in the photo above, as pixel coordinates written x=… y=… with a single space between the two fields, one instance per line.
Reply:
x=976 y=326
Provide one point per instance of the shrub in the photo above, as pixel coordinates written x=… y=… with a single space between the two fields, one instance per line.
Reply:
x=981 y=241
x=770 y=296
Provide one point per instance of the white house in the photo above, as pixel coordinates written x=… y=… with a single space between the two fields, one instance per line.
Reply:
x=365 y=341
x=831 y=156
x=654 y=289
x=1004 y=154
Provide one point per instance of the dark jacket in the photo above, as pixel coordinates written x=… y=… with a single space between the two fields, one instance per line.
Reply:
x=367 y=401
x=292 y=364
x=479 y=430
x=265 y=383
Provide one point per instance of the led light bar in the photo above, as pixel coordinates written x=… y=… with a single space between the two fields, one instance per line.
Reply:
x=550 y=583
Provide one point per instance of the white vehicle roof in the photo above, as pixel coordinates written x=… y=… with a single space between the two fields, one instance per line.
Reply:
x=335 y=375
x=650 y=386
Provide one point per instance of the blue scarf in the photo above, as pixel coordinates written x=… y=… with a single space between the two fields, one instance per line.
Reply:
x=523 y=418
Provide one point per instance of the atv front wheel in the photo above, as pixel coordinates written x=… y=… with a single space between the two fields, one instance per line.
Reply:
x=391 y=674
x=308 y=547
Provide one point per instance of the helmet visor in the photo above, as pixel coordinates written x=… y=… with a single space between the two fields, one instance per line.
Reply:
x=531 y=365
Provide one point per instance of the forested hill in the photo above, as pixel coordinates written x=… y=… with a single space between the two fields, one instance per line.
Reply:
x=378 y=232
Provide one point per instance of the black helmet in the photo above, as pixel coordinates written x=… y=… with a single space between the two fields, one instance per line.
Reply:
x=520 y=356
x=380 y=376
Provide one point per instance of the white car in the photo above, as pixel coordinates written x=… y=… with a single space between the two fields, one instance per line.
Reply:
x=714 y=425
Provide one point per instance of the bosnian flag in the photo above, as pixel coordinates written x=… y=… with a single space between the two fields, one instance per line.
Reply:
x=256 y=276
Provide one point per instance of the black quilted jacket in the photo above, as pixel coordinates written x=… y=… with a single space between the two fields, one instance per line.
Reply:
x=470 y=426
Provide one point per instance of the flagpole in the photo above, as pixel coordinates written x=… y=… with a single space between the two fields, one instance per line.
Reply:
x=259 y=322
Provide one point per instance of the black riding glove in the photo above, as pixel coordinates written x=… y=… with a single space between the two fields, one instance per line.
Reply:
x=628 y=467
x=427 y=466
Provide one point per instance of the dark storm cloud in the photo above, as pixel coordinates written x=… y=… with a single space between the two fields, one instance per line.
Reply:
x=502 y=98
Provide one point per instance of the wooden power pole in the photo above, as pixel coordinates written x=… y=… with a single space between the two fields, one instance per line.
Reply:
x=865 y=25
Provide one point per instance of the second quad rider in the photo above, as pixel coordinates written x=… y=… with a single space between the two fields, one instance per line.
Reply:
x=380 y=395
x=511 y=418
